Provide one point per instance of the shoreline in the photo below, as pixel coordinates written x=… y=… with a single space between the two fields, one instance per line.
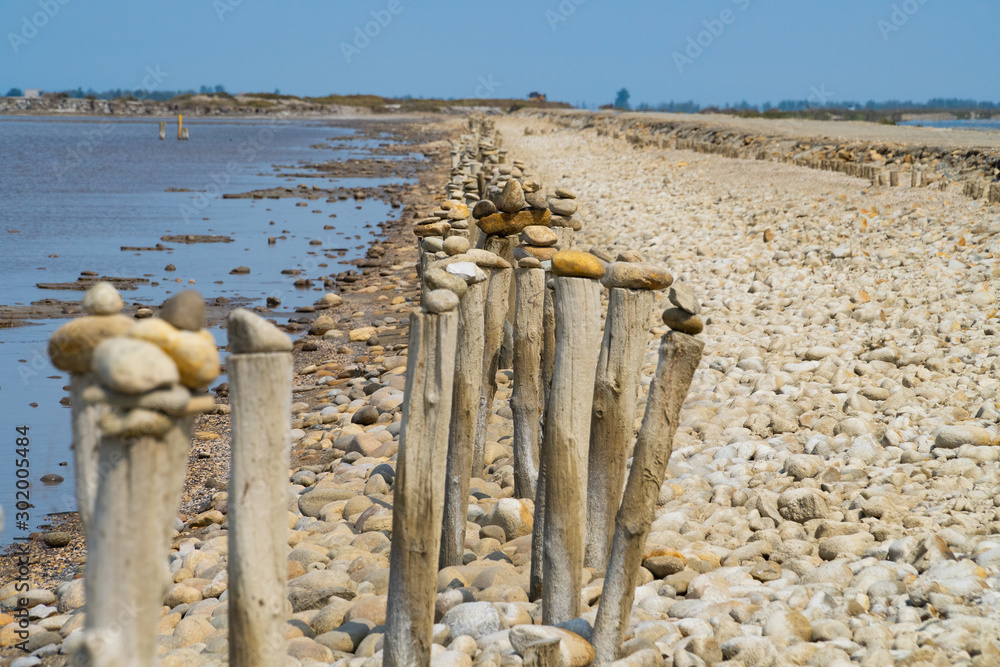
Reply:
x=210 y=440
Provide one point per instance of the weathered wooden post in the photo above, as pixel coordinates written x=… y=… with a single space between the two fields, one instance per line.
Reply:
x=679 y=357
x=146 y=378
x=543 y=653
x=567 y=430
x=526 y=398
x=547 y=369
x=260 y=387
x=493 y=328
x=465 y=404
x=626 y=331
x=163 y=130
x=418 y=497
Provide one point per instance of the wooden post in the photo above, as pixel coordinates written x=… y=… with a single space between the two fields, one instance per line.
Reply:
x=543 y=653
x=548 y=338
x=548 y=366
x=260 y=386
x=526 y=397
x=140 y=489
x=418 y=498
x=567 y=434
x=611 y=427
x=85 y=438
x=679 y=357
x=186 y=134
x=180 y=124
x=163 y=130
x=894 y=178
x=464 y=418
x=493 y=330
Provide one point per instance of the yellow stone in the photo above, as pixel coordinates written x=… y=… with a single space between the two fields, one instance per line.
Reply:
x=506 y=224
x=683 y=321
x=193 y=352
x=72 y=345
x=432 y=229
x=361 y=334
x=577 y=264
x=540 y=253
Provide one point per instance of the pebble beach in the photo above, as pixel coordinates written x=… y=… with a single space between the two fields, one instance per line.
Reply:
x=833 y=497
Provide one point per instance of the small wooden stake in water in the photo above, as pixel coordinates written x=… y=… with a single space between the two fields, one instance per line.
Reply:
x=163 y=130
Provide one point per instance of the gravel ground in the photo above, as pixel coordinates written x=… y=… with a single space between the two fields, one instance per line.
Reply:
x=835 y=479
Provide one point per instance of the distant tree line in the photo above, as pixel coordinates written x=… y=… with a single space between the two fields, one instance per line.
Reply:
x=124 y=93
x=788 y=106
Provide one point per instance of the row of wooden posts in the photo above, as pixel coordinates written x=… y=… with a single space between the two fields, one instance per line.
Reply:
x=573 y=404
x=919 y=175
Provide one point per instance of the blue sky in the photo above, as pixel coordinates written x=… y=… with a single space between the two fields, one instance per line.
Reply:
x=711 y=51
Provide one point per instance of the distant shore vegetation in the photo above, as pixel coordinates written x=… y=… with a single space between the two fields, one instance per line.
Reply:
x=887 y=112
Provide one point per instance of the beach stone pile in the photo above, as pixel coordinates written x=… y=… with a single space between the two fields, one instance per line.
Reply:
x=167 y=360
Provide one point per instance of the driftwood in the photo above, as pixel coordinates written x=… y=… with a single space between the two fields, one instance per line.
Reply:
x=526 y=397
x=464 y=419
x=567 y=434
x=418 y=497
x=611 y=425
x=679 y=357
x=260 y=384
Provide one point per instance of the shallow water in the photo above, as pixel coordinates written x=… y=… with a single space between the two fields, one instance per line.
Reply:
x=991 y=125
x=72 y=192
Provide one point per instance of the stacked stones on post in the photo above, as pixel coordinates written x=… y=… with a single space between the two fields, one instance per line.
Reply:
x=150 y=375
x=564 y=206
x=684 y=316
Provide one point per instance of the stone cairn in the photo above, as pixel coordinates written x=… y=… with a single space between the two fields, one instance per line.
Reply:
x=513 y=282
x=136 y=387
